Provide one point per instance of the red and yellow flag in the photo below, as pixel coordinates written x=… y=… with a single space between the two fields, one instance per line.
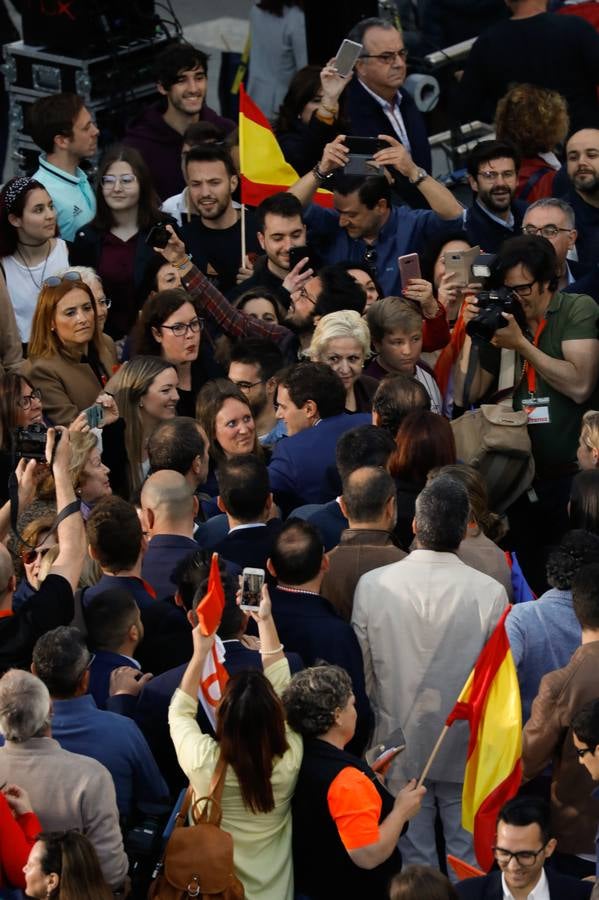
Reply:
x=490 y=701
x=264 y=170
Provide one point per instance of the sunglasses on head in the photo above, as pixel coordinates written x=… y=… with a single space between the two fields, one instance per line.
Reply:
x=55 y=280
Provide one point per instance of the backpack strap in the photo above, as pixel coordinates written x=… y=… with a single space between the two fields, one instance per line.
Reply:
x=534 y=180
x=212 y=811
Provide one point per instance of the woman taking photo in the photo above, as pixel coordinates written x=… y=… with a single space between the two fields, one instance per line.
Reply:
x=260 y=754
x=64 y=866
x=70 y=360
x=341 y=340
x=342 y=847
x=30 y=250
x=145 y=391
x=114 y=243
x=169 y=327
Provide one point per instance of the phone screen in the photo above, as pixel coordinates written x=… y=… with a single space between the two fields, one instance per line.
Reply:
x=251 y=588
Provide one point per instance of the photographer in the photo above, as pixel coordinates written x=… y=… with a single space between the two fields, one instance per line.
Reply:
x=556 y=369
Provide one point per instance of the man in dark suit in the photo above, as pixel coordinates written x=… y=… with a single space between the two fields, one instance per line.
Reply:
x=311 y=400
x=377 y=103
x=307 y=623
x=245 y=497
x=114 y=630
x=523 y=844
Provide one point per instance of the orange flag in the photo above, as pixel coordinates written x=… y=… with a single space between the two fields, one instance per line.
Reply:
x=210 y=611
x=264 y=170
x=490 y=701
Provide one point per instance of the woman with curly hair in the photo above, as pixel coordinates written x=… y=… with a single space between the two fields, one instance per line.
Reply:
x=345 y=823
x=536 y=121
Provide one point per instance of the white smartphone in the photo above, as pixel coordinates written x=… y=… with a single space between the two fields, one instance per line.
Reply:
x=347 y=54
x=460 y=262
x=409 y=267
x=251 y=588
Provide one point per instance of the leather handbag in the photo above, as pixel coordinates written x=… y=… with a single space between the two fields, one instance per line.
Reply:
x=198 y=859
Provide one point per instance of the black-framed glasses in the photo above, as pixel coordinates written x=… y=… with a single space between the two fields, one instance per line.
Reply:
x=246 y=385
x=180 y=329
x=582 y=751
x=105 y=302
x=26 y=401
x=523 y=290
x=55 y=280
x=524 y=858
x=548 y=231
x=388 y=57
x=306 y=296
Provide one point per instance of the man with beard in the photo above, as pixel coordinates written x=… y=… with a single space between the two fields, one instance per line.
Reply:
x=253 y=367
x=212 y=227
x=493 y=176
x=582 y=160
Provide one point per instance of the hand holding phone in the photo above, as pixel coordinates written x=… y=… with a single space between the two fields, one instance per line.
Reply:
x=158 y=236
x=251 y=589
x=347 y=55
x=95 y=415
x=409 y=267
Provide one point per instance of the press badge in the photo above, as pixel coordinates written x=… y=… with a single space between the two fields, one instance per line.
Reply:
x=537 y=410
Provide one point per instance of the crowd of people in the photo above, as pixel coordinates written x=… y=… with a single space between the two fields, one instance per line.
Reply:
x=285 y=386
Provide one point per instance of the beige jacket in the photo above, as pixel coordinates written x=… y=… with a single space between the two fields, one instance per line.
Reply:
x=11 y=350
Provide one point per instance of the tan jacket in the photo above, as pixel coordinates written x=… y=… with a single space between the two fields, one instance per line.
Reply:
x=547 y=738
x=67 y=384
x=359 y=551
x=11 y=350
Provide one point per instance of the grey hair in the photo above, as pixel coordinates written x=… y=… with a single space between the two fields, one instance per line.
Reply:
x=88 y=275
x=554 y=203
x=442 y=513
x=360 y=28
x=313 y=696
x=24 y=706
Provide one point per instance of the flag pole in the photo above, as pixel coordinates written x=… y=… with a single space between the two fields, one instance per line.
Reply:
x=243 y=243
x=431 y=758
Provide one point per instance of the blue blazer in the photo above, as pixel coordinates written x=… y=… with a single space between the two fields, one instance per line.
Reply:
x=489 y=887
x=250 y=546
x=100 y=672
x=327 y=517
x=302 y=467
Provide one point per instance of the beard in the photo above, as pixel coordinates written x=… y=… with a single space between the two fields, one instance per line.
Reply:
x=299 y=325
x=586 y=184
x=496 y=201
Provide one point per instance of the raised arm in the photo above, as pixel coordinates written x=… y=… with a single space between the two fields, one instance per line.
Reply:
x=71 y=532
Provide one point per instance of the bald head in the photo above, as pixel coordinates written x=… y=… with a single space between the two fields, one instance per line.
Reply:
x=582 y=159
x=7 y=579
x=369 y=497
x=167 y=503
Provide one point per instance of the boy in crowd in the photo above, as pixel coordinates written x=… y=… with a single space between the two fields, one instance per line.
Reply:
x=396 y=330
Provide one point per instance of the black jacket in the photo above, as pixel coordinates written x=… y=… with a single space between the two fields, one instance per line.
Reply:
x=489 y=887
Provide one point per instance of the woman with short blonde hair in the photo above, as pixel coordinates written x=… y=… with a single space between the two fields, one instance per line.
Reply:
x=588 y=445
x=341 y=340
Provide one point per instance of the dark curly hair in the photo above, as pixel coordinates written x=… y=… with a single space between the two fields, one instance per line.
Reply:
x=312 y=697
x=156 y=310
x=578 y=548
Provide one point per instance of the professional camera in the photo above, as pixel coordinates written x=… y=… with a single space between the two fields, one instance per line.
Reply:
x=492 y=304
x=29 y=442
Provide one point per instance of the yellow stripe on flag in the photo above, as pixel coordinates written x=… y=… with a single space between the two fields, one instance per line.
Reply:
x=260 y=155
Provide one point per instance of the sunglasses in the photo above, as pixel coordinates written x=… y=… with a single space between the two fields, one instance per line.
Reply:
x=55 y=280
x=30 y=556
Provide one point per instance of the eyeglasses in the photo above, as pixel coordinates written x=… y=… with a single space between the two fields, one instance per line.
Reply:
x=387 y=58
x=582 y=751
x=110 y=181
x=105 y=302
x=246 y=385
x=548 y=231
x=55 y=280
x=26 y=401
x=524 y=858
x=303 y=293
x=523 y=290
x=30 y=556
x=180 y=329
x=491 y=175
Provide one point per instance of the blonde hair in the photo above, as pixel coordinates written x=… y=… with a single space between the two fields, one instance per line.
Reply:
x=82 y=443
x=47 y=562
x=589 y=433
x=345 y=323
x=128 y=386
x=390 y=313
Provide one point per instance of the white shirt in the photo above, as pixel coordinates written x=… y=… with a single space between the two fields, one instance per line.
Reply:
x=539 y=892
x=393 y=113
x=24 y=284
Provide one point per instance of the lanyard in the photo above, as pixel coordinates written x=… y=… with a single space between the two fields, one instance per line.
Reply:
x=531 y=375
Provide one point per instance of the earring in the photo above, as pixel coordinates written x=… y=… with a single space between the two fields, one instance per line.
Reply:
x=141 y=404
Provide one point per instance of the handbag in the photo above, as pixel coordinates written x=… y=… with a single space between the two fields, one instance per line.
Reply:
x=198 y=859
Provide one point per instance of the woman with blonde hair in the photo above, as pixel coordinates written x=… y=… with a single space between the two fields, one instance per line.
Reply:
x=89 y=474
x=341 y=340
x=70 y=360
x=145 y=391
x=588 y=444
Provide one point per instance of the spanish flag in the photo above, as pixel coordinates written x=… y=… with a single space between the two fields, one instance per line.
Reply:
x=210 y=611
x=490 y=701
x=264 y=170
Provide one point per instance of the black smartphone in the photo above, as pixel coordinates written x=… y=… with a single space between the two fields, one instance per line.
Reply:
x=363 y=146
x=298 y=253
x=158 y=236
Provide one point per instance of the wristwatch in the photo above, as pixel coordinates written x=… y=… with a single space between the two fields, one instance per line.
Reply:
x=421 y=174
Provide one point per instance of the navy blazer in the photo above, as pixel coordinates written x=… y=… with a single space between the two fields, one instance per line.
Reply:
x=488 y=234
x=489 y=887
x=164 y=552
x=151 y=710
x=368 y=119
x=100 y=671
x=327 y=517
x=308 y=624
x=250 y=546
x=302 y=467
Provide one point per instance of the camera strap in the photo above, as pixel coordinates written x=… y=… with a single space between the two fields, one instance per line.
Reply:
x=13 y=496
x=531 y=375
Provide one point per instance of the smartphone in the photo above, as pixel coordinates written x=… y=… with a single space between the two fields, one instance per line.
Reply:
x=298 y=253
x=95 y=415
x=382 y=755
x=158 y=236
x=409 y=267
x=347 y=54
x=363 y=146
x=481 y=267
x=460 y=262
x=251 y=588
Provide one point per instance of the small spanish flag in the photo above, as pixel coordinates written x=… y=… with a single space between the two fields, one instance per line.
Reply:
x=264 y=170
x=490 y=701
